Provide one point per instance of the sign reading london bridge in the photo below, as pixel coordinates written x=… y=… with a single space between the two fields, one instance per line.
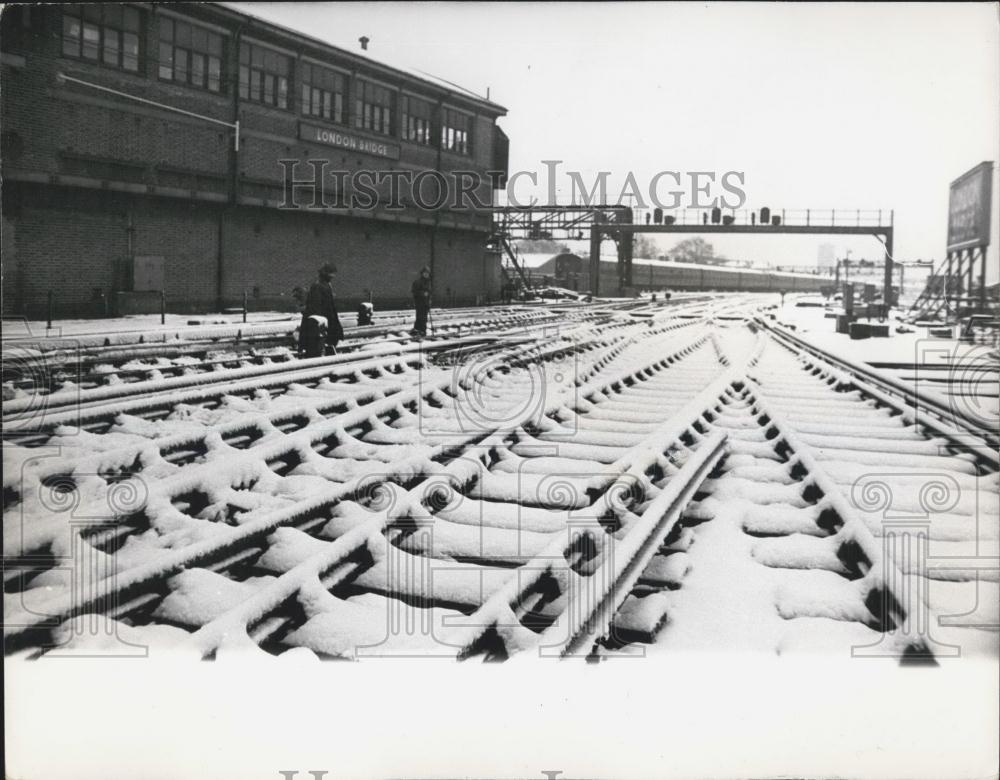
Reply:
x=347 y=141
x=969 y=208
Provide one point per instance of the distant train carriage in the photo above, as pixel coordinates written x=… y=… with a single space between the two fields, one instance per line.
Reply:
x=572 y=271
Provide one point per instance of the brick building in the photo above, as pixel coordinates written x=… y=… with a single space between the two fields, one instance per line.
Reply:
x=109 y=199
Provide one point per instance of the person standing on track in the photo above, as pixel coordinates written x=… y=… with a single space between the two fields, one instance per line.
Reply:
x=319 y=314
x=505 y=286
x=421 y=290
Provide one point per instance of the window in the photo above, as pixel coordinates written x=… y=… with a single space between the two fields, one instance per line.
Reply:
x=264 y=75
x=106 y=34
x=373 y=108
x=322 y=93
x=416 y=119
x=190 y=54
x=455 y=131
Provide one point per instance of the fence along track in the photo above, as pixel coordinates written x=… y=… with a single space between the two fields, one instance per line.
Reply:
x=241 y=469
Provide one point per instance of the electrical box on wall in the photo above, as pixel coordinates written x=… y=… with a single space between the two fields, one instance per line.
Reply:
x=147 y=273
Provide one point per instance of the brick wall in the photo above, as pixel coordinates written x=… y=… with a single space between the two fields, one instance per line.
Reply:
x=77 y=236
x=277 y=251
x=65 y=245
x=74 y=242
x=186 y=235
x=51 y=118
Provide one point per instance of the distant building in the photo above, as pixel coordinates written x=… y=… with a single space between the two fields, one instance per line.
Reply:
x=826 y=257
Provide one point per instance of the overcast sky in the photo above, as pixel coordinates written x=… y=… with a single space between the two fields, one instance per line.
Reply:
x=820 y=106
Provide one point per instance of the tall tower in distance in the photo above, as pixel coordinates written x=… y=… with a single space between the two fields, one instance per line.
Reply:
x=826 y=257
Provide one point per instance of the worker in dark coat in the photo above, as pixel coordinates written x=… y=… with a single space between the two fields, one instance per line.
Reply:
x=320 y=323
x=505 y=285
x=421 y=290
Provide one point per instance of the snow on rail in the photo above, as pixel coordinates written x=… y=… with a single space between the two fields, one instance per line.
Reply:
x=237 y=468
x=632 y=484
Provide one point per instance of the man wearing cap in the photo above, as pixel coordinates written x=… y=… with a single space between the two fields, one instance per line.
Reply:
x=320 y=312
x=421 y=290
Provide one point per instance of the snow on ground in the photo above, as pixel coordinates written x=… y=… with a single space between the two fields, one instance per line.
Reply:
x=753 y=572
x=112 y=638
x=761 y=574
x=811 y=323
x=16 y=330
x=187 y=324
x=740 y=594
x=198 y=596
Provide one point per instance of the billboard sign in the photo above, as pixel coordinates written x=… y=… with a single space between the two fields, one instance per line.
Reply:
x=969 y=208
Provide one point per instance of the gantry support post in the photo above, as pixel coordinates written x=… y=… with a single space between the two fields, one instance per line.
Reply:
x=947 y=285
x=887 y=276
x=625 y=241
x=595 y=259
x=624 y=261
x=982 y=280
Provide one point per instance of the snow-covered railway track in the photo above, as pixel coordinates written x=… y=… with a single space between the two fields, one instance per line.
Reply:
x=336 y=452
x=43 y=366
x=179 y=425
x=97 y=410
x=967 y=378
x=32 y=421
x=838 y=522
x=658 y=485
x=29 y=375
x=932 y=410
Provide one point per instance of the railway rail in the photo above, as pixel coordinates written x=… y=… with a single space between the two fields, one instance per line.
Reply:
x=932 y=410
x=63 y=369
x=36 y=372
x=30 y=415
x=99 y=358
x=968 y=377
x=172 y=336
x=628 y=485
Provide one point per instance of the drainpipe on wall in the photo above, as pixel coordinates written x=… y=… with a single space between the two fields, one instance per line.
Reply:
x=437 y=212
x=127 y=278
x=234 y=162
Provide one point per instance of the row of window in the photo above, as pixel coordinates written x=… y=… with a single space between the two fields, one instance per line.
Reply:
x=103 y=33
x=189 y=54
x=192 y=55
